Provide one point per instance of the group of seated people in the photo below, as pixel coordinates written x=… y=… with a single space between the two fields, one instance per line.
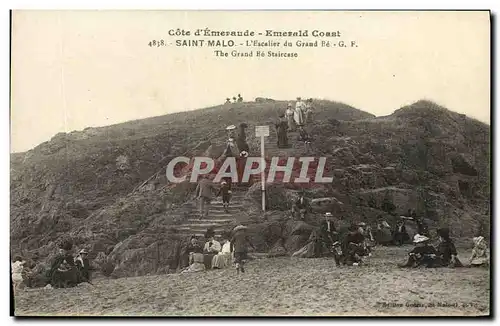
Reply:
x=347 y=249
x=350 y=248
x=65 y=270
x=424 y=254
x=215 y=255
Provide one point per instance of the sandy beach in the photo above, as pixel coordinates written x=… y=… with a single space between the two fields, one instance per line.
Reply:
x=277 y=286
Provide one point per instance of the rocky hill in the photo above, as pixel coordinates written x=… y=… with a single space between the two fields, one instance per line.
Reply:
x=85 y=184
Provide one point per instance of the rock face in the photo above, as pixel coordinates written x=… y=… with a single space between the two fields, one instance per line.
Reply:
x=422 y=157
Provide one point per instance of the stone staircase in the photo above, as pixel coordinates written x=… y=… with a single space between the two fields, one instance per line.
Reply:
x=217 y=218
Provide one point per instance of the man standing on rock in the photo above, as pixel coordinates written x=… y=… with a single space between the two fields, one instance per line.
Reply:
x=204 y=191
x=328 y=232
x=301 y=206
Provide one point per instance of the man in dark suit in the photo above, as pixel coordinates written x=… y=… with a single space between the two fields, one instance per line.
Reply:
x=301 y=206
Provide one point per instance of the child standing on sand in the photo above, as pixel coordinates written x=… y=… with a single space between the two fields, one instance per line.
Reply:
x=239 y=246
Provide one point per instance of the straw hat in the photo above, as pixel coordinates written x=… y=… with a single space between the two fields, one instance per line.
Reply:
x=223 y=182
x=328 y=214
x=289 y=105
x=478 y=240
x=244 y=154
x=83 y=251
x=419 y=238
x=231 y=127
x=240 y=227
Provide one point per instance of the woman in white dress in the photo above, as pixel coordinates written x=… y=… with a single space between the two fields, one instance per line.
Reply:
x=300 y=112
x=17 y=272
x=223 y=258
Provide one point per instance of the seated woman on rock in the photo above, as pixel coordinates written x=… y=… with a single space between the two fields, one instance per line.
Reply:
x=195 y=263
x=447 y=253
x=223 y=258
x=63 y=271
x=423 y=254
x=212 y=248
x=479 y=255
x=192 y=247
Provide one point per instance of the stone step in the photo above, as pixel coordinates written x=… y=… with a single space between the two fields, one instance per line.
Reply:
x=211 y=220
x=215 y=206
x=214 y=216
x=201 y=230
x=197 y=234
x=202 y=225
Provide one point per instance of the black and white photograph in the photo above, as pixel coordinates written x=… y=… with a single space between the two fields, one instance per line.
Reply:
x=250 y=163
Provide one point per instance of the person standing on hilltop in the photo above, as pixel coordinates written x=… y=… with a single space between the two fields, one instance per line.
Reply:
x=240 y=99
x=203 y=192
x=289 y=116
x=281 y=129
x=299 y=114
x=309 y=110
x=228 y=101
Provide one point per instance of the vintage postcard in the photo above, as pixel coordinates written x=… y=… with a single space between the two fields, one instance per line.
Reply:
x=250 y=163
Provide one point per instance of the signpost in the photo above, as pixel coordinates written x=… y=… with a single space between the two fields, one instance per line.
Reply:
x=262 y=131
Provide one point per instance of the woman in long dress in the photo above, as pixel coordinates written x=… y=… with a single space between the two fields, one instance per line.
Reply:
x=479 y=255
x=289 y=116
x=223 y=258
x=299 y=114
x=196 y=263
x=281 y=129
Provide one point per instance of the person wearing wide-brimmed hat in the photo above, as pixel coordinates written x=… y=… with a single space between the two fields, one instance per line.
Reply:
x=423 y=254
x=447 y=253
x=479 y=255
x=83 y=264
x=239 y=247
x=231 y=130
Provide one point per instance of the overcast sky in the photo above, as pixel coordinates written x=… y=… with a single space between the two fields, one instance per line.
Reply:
x=72 y=70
